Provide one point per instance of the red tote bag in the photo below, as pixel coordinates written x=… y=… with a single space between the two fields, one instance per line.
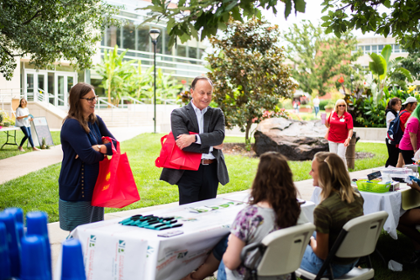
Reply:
x=115 y=186
x=173 y=157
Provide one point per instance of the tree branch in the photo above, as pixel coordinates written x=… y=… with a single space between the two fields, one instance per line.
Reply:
x=9 y=53
x=34 y=16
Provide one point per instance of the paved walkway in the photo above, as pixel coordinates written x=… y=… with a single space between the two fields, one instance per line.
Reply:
x=11 y=168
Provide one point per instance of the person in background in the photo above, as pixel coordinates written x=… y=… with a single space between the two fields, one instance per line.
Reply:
x=296 y=104
x=408 y=107
x=394 y=106
x=339 y=204
x=410 y=142
x=83 y=149
x=22 y=121
x=316 y=105
x=340 y=125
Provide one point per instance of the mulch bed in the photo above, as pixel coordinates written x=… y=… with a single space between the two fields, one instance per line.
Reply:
x=239 y=149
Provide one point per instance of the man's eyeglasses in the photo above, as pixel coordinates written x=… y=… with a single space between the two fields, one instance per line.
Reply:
x=341 y=105
x=90 y=100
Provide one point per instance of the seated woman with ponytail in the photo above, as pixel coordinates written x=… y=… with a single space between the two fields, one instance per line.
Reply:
x=339 y=204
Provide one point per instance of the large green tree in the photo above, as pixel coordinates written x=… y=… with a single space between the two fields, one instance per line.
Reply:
x=202 y=18
x=248 y=72
x=47 y=31
x=401 y=21
x=319 y=59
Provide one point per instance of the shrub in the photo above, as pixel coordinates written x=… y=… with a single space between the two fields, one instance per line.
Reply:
x=322 y=104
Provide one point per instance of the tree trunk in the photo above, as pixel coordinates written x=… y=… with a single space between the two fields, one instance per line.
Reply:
x=247 y=129
x=109 y=96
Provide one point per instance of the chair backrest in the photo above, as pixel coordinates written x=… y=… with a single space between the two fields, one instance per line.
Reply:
x=284 y=250
x=362 y=234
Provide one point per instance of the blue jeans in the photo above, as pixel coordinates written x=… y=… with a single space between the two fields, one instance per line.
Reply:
x=313 y=264
x=220 y=248
x=316 y=110
x=27 y=132
x=221 y=273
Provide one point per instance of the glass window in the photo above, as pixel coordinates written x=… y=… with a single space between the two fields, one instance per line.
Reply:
x=380 y=48
x=167 y=49
x=159 y=48
x=192 y=52
x=119 y=37
x=396 y=48
x=129 y=37
x=181 y=51
x=111 y=36
x=143 y=39
x=375 y=49
x=367 y=49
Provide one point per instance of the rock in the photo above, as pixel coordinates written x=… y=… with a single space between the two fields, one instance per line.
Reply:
x=297 y=140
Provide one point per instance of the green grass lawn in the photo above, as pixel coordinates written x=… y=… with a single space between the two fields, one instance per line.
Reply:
x=11 y=150
x=39 y=190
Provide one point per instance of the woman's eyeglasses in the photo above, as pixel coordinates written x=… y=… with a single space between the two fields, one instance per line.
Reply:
x=91 y=99
x=341 y=105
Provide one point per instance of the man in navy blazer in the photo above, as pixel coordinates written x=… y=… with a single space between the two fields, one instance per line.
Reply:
x=209 y=123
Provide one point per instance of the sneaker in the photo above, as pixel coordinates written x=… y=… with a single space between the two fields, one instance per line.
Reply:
x=21 y=149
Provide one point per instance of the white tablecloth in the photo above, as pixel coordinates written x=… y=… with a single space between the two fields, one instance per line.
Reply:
x=113 y=251
x=375 y=202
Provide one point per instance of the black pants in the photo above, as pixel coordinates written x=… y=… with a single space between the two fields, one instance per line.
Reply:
x=393 y=153
x=198 y=185
x=407 y=156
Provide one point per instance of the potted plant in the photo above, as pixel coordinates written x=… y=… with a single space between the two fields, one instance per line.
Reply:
x=305 y=109
x=329 y=108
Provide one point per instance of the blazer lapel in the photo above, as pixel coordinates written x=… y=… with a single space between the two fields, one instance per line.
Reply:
x=193 y=117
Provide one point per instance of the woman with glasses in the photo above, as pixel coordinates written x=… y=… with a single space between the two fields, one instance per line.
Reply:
x=340 y=125
x=83 y=149
x=22 y=120
x=339 y=204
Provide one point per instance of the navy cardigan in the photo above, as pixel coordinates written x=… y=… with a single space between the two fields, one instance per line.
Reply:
x=78 y=176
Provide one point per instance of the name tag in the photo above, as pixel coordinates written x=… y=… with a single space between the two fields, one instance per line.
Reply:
x=342 y=120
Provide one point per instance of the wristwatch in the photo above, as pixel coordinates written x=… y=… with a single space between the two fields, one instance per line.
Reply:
x=196 y=138
x=99 y=147
x=349 y=138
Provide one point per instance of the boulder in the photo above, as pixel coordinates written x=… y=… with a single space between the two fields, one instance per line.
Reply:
x=297 y=140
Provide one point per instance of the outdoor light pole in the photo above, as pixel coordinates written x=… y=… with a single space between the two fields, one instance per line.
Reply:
x=351 y=83
x=154 y=34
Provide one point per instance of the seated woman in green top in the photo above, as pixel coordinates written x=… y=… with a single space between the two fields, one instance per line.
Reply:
x=340 y=203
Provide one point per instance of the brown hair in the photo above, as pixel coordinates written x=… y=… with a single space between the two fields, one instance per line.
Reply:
x=198 y=78
x=273 y=183
x=20 y=102
x=394 y=101
x=334 y=177
x=76 y=112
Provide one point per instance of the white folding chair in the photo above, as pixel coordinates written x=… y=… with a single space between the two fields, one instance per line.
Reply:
x=281 y=251
x=357 y=239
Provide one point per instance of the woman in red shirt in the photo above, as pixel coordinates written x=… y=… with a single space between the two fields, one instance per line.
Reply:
x=340 y=124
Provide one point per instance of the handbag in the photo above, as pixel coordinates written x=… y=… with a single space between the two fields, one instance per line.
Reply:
x=171 y=156
x=115 y=186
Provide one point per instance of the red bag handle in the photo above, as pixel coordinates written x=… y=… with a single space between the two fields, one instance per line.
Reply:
x=114 y=149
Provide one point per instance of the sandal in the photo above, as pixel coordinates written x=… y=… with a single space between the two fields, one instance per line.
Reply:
x=21 y=149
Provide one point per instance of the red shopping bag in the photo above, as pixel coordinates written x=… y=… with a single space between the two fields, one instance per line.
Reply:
x=173 y=157
x=115 y=186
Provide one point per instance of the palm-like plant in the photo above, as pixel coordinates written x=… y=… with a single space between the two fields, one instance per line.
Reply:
x=385 y=71
x=115 y=72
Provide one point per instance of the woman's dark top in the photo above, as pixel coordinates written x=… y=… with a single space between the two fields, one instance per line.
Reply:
x=78 y=176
